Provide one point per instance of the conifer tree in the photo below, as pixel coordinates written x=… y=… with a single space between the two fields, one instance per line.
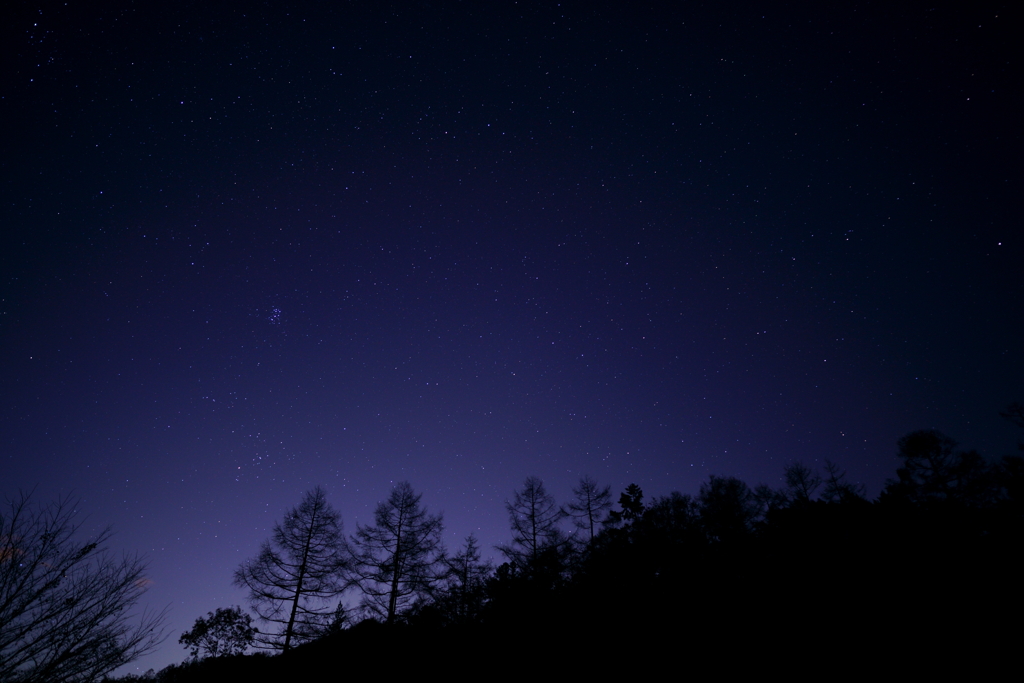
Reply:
x=632 y=503
x=534 y=517
x=464 y=587
x=296 y=576
x=588 y=506
x=397 y=560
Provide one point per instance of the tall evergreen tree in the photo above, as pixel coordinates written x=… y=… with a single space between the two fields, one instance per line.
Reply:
x=588 y=506
x=837 y=489
x=297 y=573
x=534 y=517
x=631 y=502
x=465 y=584
x=398 y=559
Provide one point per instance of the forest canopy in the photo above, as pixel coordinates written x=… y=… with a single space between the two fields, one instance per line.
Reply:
x=815 y=557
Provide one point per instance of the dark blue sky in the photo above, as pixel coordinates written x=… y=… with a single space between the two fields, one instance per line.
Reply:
x=246 y=252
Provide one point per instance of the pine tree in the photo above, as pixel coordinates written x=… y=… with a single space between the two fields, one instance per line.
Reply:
x=297 y=573
x=463 y=596
x=632 y=503
x=837 y=489
x=588 y=506
x=397 y=560
x=534 y=517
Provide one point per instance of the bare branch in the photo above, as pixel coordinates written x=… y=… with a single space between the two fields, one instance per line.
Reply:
x=65 y=606
x=297 y=573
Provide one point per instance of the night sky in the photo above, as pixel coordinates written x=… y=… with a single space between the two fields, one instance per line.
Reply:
x=244 y=252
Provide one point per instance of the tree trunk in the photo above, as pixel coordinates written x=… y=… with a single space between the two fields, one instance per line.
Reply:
x=298 y=585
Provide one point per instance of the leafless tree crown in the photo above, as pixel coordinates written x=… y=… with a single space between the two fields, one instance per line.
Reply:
x=66 y=607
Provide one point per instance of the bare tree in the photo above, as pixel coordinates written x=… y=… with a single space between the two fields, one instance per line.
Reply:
x=398 y=560
x=534 y=517
x=837 y=489
x=768 y=499
x=801 y=482
x=588 y=506
x=298 y=573
x=65 y=606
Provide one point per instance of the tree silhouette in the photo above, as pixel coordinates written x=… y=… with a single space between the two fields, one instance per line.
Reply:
x=673 y=519
x=228 y=631
x=588 y=506
x=297 y=573
x=533 y=516
x=463 y=595
x=1015 y=414
x=397 y=560
x=769 y=500
x=1010 y=472
x=728 y=508
x=631 y=502
x=837 y=489
x=65 y=606
x=801 y=482
x=934 y=471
